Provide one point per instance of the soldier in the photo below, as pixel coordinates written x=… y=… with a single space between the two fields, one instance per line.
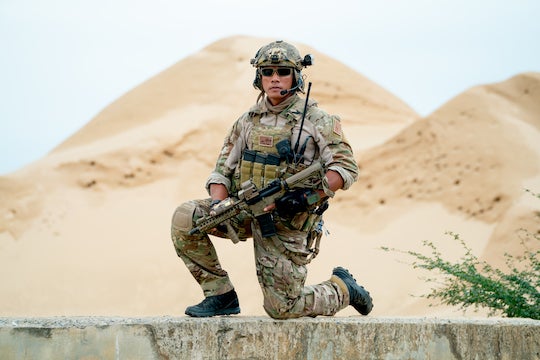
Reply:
x=259 y=148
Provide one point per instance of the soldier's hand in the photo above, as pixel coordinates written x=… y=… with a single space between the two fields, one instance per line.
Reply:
x=295 y=202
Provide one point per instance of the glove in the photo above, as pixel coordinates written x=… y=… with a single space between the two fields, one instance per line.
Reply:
x=295 y=202
x=215 y=206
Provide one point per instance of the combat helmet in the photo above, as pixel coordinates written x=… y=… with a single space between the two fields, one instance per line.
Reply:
x=281 y=53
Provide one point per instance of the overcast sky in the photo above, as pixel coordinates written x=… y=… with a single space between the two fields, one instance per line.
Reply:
x=63 y=61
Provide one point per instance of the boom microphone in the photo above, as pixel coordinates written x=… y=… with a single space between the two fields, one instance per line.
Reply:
x=291 y=90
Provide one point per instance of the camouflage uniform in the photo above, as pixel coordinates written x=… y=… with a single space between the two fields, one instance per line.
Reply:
x=280 y=274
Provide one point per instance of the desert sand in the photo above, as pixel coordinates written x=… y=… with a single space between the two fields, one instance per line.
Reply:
x=85 y=229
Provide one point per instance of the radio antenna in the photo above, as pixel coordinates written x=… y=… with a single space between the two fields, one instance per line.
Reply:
x=301 y=124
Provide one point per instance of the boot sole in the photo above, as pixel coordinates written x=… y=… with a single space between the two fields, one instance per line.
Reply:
x=364 y=309
x=231 y=311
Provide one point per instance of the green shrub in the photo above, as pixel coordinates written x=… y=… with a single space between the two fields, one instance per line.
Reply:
x=471 y=282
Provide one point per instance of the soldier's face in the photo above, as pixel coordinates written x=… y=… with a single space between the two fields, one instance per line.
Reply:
x=274 y=80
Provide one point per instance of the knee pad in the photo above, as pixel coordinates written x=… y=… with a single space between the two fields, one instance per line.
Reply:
x=182 y=219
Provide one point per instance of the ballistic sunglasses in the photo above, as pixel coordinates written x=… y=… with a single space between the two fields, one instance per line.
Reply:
x=282 y=71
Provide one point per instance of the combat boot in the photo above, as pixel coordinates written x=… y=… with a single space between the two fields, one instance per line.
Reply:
x=224 y=304
x=359 y=297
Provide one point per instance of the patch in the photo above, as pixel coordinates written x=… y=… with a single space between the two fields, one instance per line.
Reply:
x=267 y=141
x=337 y=127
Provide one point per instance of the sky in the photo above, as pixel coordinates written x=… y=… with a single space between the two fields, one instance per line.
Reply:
x=63 y=61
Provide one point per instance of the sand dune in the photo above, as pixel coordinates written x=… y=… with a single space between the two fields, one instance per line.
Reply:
x=85 y=230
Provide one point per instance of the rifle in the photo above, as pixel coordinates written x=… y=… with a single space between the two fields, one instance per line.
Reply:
x=253 y=201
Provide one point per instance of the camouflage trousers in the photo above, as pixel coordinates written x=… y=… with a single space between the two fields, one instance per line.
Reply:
x=282 y=280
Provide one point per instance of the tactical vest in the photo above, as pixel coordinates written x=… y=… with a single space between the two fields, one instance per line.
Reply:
x=263 y=162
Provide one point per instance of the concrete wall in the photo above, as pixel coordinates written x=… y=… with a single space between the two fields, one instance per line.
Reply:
x=265 y=338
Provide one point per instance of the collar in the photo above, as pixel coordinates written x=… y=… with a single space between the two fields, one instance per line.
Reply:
x=282 y=106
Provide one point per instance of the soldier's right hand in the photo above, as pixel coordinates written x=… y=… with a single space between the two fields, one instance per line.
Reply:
x=293 y=202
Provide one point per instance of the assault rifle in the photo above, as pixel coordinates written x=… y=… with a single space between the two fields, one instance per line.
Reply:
x=253 y=201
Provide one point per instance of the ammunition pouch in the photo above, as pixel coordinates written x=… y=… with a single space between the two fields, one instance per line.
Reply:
x=259 y=167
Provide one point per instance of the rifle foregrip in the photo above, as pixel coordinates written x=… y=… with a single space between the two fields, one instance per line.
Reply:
x=302 y=175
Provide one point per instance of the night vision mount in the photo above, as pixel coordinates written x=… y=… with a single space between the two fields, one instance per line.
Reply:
x=307 y=61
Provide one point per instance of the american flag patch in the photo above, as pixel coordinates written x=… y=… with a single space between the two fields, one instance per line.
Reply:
x=337 y=127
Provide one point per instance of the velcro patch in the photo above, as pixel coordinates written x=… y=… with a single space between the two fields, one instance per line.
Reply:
x=183 y=217
x=267 y=141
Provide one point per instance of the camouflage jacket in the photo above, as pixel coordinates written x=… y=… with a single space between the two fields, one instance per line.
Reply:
x=327 y=141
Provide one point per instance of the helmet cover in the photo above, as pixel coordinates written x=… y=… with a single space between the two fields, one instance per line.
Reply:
x=278 y=53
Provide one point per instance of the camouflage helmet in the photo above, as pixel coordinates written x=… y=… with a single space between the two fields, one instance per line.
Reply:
x=280 y=53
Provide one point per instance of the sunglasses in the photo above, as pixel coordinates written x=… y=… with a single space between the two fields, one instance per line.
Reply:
x=282 y=71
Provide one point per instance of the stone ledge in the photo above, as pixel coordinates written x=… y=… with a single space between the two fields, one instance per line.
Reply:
x=265 y=338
